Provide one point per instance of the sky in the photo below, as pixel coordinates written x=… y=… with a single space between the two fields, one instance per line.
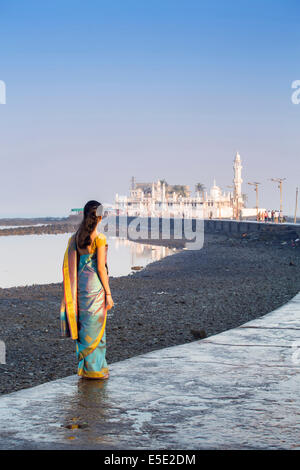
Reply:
x=98 y=92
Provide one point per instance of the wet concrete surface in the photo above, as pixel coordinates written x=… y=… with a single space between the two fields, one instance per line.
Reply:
x=235 y=390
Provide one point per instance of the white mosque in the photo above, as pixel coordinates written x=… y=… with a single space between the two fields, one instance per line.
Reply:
x=163 y=200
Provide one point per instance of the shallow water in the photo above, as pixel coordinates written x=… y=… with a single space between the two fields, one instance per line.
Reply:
x=2 y=227
x=37 y=259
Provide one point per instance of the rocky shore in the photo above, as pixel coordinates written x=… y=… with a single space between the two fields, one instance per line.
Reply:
x=38 y=226
x=50 y=229
x=186 y=296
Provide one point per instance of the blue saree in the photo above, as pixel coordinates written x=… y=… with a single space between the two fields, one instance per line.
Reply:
x=83 y=312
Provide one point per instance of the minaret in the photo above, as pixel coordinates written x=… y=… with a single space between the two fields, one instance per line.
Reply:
x=163 y=192
x=237 y=180
x=158 y=189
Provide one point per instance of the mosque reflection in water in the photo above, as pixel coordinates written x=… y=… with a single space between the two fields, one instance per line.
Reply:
x=142 y=254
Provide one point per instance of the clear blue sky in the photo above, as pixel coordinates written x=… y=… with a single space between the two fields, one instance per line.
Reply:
x=99 y=91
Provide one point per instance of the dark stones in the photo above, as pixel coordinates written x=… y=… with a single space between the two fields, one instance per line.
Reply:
x=199 y=334
x=223 y=286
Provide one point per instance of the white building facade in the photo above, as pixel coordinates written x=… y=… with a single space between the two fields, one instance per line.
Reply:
x=158 y=199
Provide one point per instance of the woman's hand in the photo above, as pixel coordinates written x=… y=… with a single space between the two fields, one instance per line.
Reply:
x=109 y=302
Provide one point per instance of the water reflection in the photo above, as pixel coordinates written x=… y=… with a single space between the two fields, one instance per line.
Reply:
x=90 y=412
x=141 y=252
x=37 y=259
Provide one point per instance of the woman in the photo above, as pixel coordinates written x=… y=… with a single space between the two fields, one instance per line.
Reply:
x=87 y=294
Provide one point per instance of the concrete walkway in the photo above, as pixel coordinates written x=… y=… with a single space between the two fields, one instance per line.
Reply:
x=236 y=390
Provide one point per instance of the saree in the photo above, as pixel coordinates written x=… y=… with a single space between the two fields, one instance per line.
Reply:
x=83 y=311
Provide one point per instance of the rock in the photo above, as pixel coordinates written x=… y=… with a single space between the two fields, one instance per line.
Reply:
x=223 y=286
x=199 y=334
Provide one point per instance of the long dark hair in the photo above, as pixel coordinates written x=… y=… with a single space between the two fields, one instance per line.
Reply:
x=88 y=225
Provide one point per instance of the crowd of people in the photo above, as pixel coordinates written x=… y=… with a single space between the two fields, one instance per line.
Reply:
x=269 y=216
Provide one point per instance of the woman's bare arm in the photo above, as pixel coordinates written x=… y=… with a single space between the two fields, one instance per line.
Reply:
x=103 y=274
x=102 y=268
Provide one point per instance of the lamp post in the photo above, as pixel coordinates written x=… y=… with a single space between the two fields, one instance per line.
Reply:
x=279 y=181
x=256 y=190
x=296 y=206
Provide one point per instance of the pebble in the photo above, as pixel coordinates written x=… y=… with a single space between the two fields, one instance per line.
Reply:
x=181 y=298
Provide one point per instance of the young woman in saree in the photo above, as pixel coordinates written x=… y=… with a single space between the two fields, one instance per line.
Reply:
x=87 y=295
